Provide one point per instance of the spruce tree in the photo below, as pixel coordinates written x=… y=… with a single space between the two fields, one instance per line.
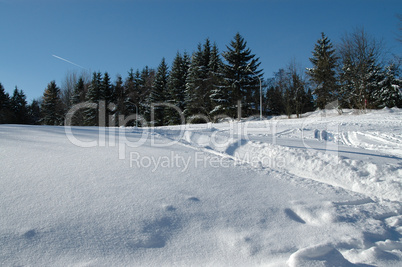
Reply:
x=239 y=76
x=131 y=93
x=34 y=112
x=19 y=107
x=145 y=85
x=199 y=84
x=176 y=88
x=6 y=114
x=218 y=97
x=323 y=73
x=193 y=93
x=158 y=94
x=275 y=93
x=106 y=88
x=390 y=94
x=308 y=102
x=52 y=112
x=361 y=70
x=108 y=97
x=120 y=98
x=77 y=97
x=94 y=95
x=295 y=94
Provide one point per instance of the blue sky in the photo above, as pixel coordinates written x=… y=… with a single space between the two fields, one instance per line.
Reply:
x=115 y=36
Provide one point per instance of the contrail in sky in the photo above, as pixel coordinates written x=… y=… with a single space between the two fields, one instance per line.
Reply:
x=68 y=61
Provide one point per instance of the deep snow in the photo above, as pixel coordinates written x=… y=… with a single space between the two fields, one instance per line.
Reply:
x=324 y=190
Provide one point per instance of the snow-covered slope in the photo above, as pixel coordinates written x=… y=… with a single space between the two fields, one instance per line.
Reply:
x=324 y=190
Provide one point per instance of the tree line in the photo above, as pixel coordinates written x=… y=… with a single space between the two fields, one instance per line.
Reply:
x=209 y=85
x=354 y=74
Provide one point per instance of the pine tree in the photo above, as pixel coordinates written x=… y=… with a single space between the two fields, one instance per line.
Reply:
x=131 y=93
x=6 y=114
x=52 y=112
x=145 y=85
x=239 y=76
x=94 y=95
x=108 y=97
x=297 y=93
x=361 y=71
x=34 y=112
x=19 y=107
x=158 y=94
x=275 y=94
x=218 y=97
x=107 y=89
x=308 y=101
x=120 y=98
x=199 y=85
x=176 y=88
x=274 y=102
x=323 y=73
x=77 y=97
x=193 y=99
x=390 y=94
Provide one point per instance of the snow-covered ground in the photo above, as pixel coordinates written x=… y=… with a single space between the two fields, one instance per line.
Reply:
x=323 y=190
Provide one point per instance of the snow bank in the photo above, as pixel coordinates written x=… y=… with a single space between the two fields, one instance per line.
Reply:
x=321 y=255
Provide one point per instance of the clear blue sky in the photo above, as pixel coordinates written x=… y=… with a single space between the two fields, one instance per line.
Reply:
x=115 y=36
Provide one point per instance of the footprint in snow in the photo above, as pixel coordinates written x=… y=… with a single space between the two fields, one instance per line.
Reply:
x=293 y=216
x=170 y=208
x=193 y=199
x=155 y=233
x=29 y=234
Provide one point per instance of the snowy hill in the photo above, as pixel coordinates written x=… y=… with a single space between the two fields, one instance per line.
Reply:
x=324 y=190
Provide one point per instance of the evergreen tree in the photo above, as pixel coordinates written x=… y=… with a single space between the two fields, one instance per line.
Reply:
x=199 y=85
x=108 y=97
x=107 y=89
x=6 y=114
x=193 y=93
x=131 y=93
x=19 y=107
x=274 y=101
x=308 y=101
x=275 y=94
x=176 y=88
x=239 y=71
x=361 y=71
x=52 y=110
x=34 y=112
x=390 y=94
x=145 y=86
x=323 y=73
x=218 y=96
x=295 y=92
x=77 y=97
x=120 y=98
x=94 y=95
x=158 y=94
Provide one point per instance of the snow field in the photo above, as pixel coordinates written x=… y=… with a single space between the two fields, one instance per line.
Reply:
x=285 y=198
